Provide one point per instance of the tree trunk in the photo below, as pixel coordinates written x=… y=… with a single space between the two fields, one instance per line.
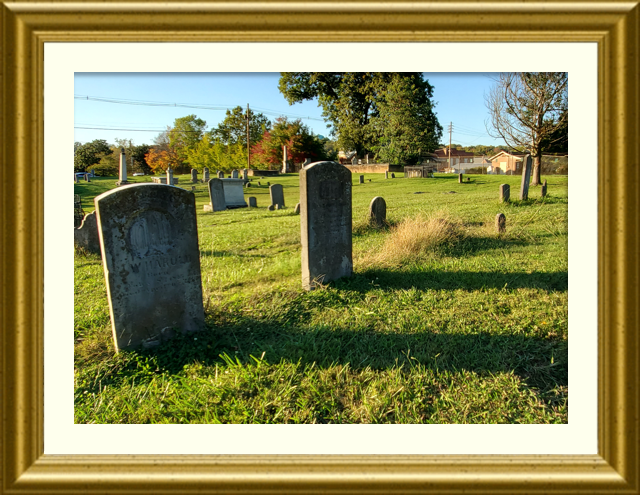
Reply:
x=535 y=173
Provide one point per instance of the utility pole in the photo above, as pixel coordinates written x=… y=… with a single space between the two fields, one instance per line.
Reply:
x=450 y=130
x=248 y=141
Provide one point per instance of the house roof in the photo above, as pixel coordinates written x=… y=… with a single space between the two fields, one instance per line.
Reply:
x=444 y=153
x=517 y=155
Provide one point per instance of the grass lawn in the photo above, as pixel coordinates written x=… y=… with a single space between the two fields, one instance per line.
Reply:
x=443 y=321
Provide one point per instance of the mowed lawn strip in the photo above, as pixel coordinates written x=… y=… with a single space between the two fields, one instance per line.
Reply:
x=443 y=321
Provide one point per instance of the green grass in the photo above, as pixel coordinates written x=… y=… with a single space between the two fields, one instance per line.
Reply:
x=470 y=328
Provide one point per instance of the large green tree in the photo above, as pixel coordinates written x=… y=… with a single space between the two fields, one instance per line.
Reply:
x=185 y=134
x=233 y=129
x=405 y=125
x=527 y=109
x=89 y=154
x=349 y=101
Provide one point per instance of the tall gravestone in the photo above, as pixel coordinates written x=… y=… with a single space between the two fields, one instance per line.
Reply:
x=543 y=191
x=122 y=176
x=194 y=175
x=277 y=195
x=149 y=243
x=216 y=195
x=285 y=160
x=205 y=175
x=325 y=222
x=501 y=223
x=170 y=176
x=378 y=212
x=526 y=177
x=505 y=193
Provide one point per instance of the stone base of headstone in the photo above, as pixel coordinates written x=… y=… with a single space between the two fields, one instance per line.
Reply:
x=122 y=183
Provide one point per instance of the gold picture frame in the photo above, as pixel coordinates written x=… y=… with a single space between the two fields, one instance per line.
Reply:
x=27 y=25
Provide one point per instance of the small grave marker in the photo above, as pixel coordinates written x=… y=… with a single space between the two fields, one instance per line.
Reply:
x=205 y=174
x=253 y=202
x=543 y=191
x=277 y=195
x=501 y=223
x=505 y=192
x=194 y=175
x=459 y=178
x=378 y=212
x=362 y=179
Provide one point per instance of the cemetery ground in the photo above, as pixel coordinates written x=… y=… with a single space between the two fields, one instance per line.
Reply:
x=443 y=321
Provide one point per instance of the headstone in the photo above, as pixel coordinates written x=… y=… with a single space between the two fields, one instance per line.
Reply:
x=245 y=173
x=75 y=178
x=122 y=176
x=93 y=171
x=220 y=174
x=86 y=236
x=234 y=193
x=253 y=202
x=526 y=177
x=86 y=178
x=205 y=175
x=277 y=195
x=307 y=161
x=285 y=160
x=194 y=175
x=393 y=176
x=543 y=191
x=325 y=222
x=361 y=179
x=216 y=195
x=505 y=192
x=271 y=207
x=297 y=209
x=378 y=212
x=501 y=223
x=234 y=174
x=259 y=185
x=386 y=174
x=149 y=243
x=459 y=178
x=170 y=176
x=248 y=184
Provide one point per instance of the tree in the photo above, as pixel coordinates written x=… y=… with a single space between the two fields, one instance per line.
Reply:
x=185 y=134
x=526 y=109
x=233 y=129
x=88 y=154
x=405 y=126
x=300 y=143
x=138 y=154
x=217 y=155
x=349 y=100
x=159 y=160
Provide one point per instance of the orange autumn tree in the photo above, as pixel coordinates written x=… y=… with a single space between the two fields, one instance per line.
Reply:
x=160 y=160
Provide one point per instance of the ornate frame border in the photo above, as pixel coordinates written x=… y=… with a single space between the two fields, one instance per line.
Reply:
x=27 y=25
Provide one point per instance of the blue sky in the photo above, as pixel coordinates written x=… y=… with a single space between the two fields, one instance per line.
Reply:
x=143 y=108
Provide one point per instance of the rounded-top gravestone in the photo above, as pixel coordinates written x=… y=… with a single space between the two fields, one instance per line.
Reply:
x=378 y=212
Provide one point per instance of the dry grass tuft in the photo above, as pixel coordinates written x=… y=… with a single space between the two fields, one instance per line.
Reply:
x=413 y=238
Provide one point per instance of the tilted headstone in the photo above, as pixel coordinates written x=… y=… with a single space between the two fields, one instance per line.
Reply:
x=277 y=195
x=459 y=178
x=361 y=180
x=170 y=177
x=543 y=191
x=253 y=202
x=122 y=176
x=205 y=175
x=220 y=174
x=216 y=195
x=378 y=212
x=325 y=222
x=234 y=174
x=297 y=209
x=526 y=177
x=505 y=192
x=86 y=236
x=149 y=244
x=194 y=175
x=501 y=223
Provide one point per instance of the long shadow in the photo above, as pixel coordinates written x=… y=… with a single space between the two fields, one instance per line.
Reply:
x=232 y=254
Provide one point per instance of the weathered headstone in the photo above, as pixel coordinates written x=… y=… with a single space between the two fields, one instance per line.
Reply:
x=234 y=193
x=543 y=191
x=234 y=174
x=386 y=174
x=361 y=180
x=505 y=192
x=205 y=175
x=194 y=175
x=277 y=195
x=216 y=195
x=296 y=210
x=170 y=176
x=501 y=223
x=220 y=174
x=149 y=244
x=526 y=177
x=325 y=222
x=378 y=212
x=459 y=178
x=253 y=202
x=122 y=176
x=86 y=236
